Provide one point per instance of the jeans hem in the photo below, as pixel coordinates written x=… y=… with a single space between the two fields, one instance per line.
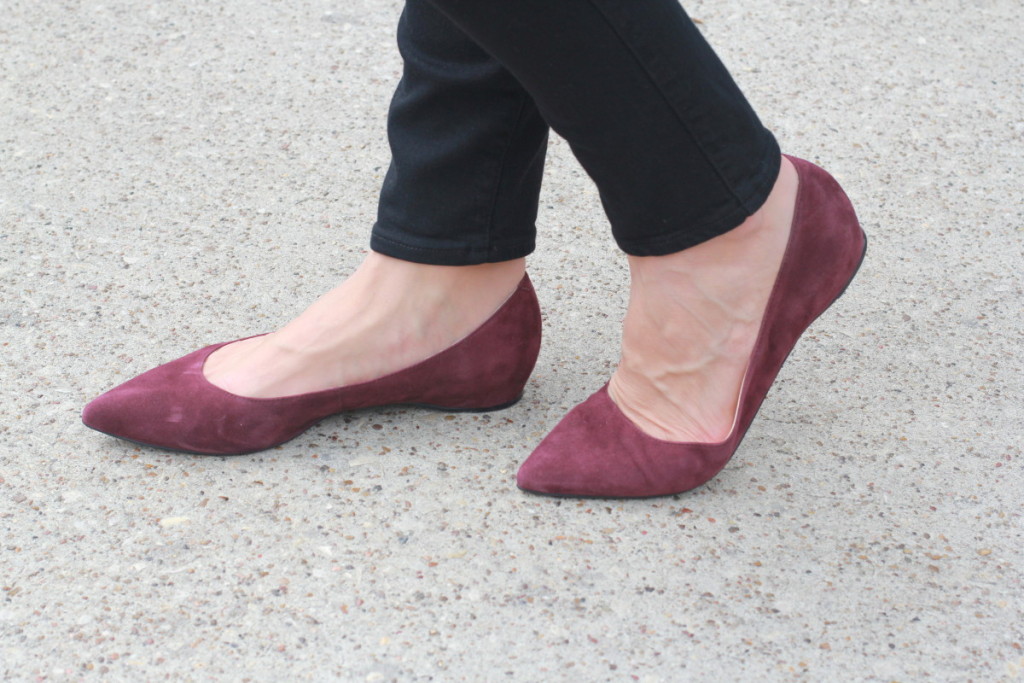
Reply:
x=449 y=255
x=767 y=174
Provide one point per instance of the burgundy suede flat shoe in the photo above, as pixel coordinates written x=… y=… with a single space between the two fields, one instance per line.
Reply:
x=596 y=451
x=173 y=406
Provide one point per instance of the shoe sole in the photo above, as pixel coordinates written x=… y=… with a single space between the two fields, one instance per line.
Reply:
x=426 y=406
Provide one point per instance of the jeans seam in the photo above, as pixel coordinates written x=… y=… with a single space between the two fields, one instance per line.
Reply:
x=501 y=170
x=671 y=105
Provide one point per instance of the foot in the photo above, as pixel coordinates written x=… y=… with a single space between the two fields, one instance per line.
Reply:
x=692 y=322
x=389 y=315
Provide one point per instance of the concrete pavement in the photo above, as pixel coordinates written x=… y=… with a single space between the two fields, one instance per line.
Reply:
x=179 y=173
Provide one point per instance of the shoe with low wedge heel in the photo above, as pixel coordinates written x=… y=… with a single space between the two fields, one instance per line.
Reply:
x=597 y=452
x=175 y=407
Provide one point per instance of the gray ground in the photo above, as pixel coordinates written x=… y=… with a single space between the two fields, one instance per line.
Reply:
x=178 y=173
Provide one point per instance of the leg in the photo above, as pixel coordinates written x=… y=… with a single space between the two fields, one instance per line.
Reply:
x=689 y=178
x=455 y=219
x=468 y=148
x=727 y=272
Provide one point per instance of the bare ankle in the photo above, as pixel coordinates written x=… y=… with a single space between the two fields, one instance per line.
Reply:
x=692 y=320
x=388 y=315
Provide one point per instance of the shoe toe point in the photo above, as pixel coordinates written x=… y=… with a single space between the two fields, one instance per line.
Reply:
x=101 y=414
x=115 y=414
x=531 y=478
x=549 y=471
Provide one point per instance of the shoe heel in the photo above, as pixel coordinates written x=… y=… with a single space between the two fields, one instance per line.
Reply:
x=488 y=409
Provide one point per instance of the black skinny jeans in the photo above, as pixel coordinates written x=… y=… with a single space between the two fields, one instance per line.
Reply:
x=677 y=153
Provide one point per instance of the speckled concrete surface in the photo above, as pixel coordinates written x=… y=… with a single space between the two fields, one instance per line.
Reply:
x=179 y=173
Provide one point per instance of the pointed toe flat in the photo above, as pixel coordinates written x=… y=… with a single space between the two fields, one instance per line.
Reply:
x=596 y=451
x=175 y=407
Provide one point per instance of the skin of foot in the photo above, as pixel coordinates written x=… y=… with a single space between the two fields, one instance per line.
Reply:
x=692 y=321
x=388 y=315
